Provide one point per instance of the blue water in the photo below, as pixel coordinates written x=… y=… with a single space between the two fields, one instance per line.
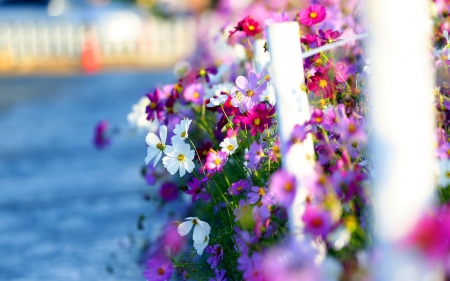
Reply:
x=66 y=209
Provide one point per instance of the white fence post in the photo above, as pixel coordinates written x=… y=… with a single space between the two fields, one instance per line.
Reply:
x=403 y=125
x=287 y=74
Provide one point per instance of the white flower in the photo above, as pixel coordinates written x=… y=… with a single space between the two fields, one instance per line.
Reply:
x=200 y=247
x=217 y=101
x=201 y=232
x=138 y=117
x=229 y=145
x=181 y=68
x=217 y=89
x=179 y=156
x=269 y=95
x=181 y=129
x=156 y=145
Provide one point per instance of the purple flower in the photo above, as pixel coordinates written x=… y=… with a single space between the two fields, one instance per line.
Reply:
x=216 y=253
x=168 y=191
x=219 y=275
x=101 y=139
x=256 y=194
x=299 y=134
x=160 y=268
x=255 y=154
x=194 y=93
x=244 y=240
x=283 y=186
x=328 y=36
x=441 y=136
x=444 y=151
x=237 y=187
x=247 y=92
x=262 y=208
x=196 y=189
x=205 y=72
x=251 y=267
x=317 y=220
x=156 y=106
x=241 y=210
x=216 y=160
x=351 y=130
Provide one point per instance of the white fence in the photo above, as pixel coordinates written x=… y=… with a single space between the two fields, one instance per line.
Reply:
x=52 y=45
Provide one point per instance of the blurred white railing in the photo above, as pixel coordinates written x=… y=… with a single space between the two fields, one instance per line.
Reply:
x=29 y=45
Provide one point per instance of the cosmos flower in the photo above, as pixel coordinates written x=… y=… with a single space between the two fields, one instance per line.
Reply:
x=156 y=146
x=137 y=117
x=242 y=209
x=247 y=92
x=181 y=130
x=317 y=220
x=259 y=118
x=229 y=145
x=216 y=253
x=283 y=186
x=328 y=36
x=194 y=93
x=168 y=191
x=248 y=25
x=217 y=101
x=160 y=268
x=201 y=229
x=312 y=15
x=179 y=157
x=155 y=107
x=206 y=72
x=238 y=187
x=319 y=83
x=216 y=160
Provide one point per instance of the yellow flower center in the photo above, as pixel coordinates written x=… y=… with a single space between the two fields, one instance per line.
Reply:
x=257 y=121
x=245 y=208
x=250 y=93
x=267 y=77
x=313 y=15
x=251 y=27
x=181 y=157
x=194 y=221
x=183 y=134
x=230 y=147
x=217 y=161
x=202 y=72
x=323 y=83
x=161 y=271
x=447 y=174
x=160 y=146
x=261 y=191
x=351 y=128
x=153 y=105
x=288 y=186
x=448 y=152
x=318 y=119
x=318 y=62
x=239 y=96
x=239 y=188
x=196 y=95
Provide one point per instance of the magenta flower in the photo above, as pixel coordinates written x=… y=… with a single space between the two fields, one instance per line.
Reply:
x=219 y=275
x=328 y=37
x=316 y=116
x=248 y=25
x=247 y=93
x=160 y=268
x=101 y=138
x=216 y=160
x=172 y=241
x=168 y=191
x=319 y=83
x=238 y=187
x=156 y=106
x=342 y=72
x=312 y=15
x=259 y=118
x=205 y=72
x=351 y=130
x=216 y=253
x=251 y=267
x=194 y=93
x=330 y=119
x=283 y=186
x=317 y=220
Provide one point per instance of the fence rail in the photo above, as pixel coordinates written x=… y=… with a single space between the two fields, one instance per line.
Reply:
x=52 y=46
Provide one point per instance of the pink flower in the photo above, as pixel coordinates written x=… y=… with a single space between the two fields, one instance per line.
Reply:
x=276 y=18
x=283 y=186
x=247 y=92
x=320 y=84
x=351 y=130
x=259 y=118
x=168 y=191
x=216 y=160
x=194 y=93
x=248 y=25
x=156 y=106
x=317 y=220
x=312 y=15
x=328 y=36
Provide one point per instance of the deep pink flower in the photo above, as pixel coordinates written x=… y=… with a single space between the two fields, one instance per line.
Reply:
x=216 y=255
x=216 y=160
x=197 y=190
x=194 y=93
x=238 y=187
x=156 y=106
x=319 y=83
x=317 y=220
x=172 y=241
x=168 y=191
x=101 y=138
x=248 y=25
x=342 y=72
x=259 y=118
x=160 y=268
x=312 y=15
x=328 y=36
x=283 y=186
x=316 y=116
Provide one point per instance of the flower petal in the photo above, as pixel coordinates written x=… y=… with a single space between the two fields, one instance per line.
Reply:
x=182 y=170
x=184 y=227
x=199 y=234
x=242 y=83
x=151 y=153
x=163 y=133
x=157 y=158
x=152 y=140
x=252 y=80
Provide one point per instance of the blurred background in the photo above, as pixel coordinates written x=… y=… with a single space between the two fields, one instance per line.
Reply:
x=67 y=210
